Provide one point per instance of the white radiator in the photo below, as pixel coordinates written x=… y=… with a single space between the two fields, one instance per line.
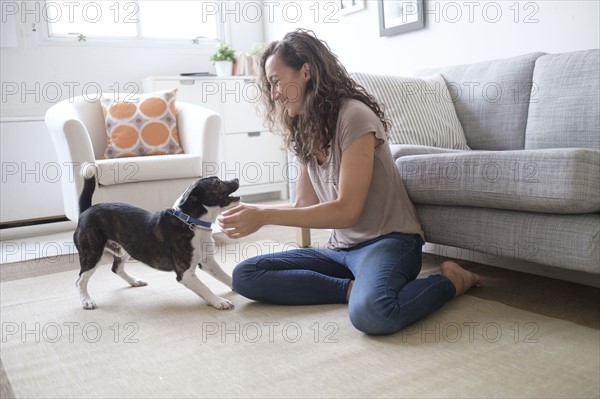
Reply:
x=30 y=185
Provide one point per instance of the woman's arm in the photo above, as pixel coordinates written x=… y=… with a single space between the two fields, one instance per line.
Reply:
x=305 y=192
x=356 y=170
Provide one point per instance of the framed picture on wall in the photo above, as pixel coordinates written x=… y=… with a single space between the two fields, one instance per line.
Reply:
x=350 y=6
x=399 y=16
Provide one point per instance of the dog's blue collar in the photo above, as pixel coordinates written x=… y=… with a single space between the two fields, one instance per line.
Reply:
x=192 y=223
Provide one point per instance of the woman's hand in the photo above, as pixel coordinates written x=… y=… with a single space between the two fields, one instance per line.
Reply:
x=241 y=220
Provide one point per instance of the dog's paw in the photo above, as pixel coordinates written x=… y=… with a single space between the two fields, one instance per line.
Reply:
x=222 y=304
x=88 y=304
x=138 y=283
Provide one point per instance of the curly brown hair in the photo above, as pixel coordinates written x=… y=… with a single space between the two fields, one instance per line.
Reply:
x=329 y=85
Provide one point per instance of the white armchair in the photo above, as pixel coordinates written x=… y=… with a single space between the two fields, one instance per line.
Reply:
x=150 y=182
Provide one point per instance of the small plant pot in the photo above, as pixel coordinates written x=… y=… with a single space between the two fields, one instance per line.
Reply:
x=224 y=68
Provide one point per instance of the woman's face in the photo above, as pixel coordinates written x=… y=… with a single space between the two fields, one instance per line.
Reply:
x=288 y=87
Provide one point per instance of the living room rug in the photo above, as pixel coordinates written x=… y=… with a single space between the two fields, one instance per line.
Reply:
x=163 y=341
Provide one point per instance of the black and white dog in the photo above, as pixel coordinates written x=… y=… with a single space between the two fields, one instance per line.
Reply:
x=177 y=239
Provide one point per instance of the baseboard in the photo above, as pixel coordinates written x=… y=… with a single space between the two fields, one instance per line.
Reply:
x=36 y=230
x=574 y=276
x=33 y=222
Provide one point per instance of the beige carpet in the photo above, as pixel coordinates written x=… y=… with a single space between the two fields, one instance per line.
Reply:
x=163 y=341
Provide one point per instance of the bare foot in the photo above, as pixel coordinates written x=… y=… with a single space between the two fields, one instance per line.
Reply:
x=461 y=278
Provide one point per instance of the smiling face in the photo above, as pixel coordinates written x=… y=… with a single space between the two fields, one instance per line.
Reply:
x=288 y=86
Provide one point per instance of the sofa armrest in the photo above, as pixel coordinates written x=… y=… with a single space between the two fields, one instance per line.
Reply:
x=69 y=134
x=199 y=131
x=74 y=151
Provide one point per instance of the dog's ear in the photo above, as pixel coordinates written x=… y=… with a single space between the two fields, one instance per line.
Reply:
x=191 y=202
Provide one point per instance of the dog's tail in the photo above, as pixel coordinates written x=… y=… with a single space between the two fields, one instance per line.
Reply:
x=85 y=200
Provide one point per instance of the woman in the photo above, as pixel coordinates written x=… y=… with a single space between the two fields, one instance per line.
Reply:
x=349 y=183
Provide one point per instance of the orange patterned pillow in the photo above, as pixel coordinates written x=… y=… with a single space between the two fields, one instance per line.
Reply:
x=141 y=125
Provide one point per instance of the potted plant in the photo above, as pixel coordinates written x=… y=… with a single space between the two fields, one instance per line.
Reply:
x=224 y=58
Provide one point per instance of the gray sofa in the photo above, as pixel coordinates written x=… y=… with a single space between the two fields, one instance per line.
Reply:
x=528 y=191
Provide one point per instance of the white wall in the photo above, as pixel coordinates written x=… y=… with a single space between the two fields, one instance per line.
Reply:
x=456 y=32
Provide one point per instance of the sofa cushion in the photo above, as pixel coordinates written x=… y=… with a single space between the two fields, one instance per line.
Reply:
x=491 y=100
x=564 y=181
x=566 y=112
x=139 y=125
x=420 y=109
x=137 y=169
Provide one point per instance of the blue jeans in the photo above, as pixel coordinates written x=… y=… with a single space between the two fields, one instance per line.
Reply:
x=385 y=297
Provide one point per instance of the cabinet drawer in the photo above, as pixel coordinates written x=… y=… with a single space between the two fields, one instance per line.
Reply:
x=240 y=98
x=254 y=158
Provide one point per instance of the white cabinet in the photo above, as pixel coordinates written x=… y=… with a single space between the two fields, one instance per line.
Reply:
x=247 y=151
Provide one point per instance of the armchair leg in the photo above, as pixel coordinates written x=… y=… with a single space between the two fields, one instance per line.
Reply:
x=303 y=237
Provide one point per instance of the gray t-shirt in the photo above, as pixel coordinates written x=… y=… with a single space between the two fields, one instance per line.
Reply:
x=388 y=208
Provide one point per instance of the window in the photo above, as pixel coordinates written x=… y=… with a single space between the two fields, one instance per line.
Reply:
x=139 y=19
